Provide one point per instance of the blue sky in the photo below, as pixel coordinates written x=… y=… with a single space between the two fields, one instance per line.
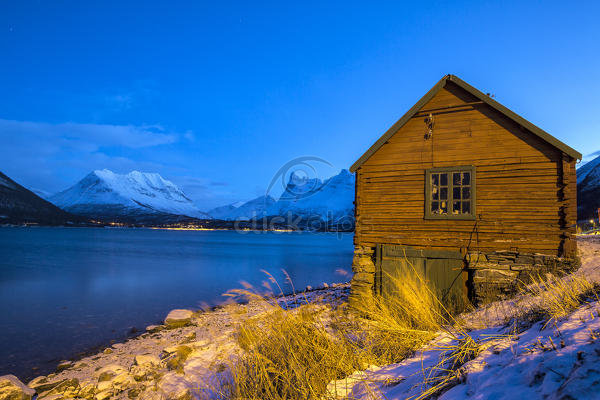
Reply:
x=218 y=96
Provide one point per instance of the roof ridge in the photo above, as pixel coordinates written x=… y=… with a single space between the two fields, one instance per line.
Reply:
x=481 y=96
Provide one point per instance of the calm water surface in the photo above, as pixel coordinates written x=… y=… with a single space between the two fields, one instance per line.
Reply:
x=64 y=291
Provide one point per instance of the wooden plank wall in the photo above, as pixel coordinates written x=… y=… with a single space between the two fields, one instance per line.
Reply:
x=521 y=190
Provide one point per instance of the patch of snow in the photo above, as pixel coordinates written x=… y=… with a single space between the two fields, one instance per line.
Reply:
x=587 y=168
x=148 y=191
x=559 y=361
x=330 y=200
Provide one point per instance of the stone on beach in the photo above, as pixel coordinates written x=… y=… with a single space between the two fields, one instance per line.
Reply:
x=179 y=318
x=11 y=388
x=154 y=328
x=64 y=365
x=146 y=359
x=43 y=384
x=108 y=372
x=66 y=388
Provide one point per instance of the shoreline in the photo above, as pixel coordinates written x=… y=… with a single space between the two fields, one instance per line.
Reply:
x=206 y=334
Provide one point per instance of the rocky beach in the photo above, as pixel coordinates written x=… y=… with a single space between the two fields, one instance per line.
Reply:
x=183 y=358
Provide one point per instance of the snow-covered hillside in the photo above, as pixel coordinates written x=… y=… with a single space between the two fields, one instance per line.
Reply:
x=104 y=191
x=256 y=208
x=519 y=359
x=588 y=190
x=587 y=168
x=331 y=200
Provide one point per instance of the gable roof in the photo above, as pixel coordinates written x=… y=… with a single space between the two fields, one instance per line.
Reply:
x=479 y=95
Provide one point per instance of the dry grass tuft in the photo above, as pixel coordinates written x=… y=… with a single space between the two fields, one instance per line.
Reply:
x=295 y=354
x=555 y=298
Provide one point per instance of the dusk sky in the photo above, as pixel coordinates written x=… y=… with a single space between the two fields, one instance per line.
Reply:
x=217 y=97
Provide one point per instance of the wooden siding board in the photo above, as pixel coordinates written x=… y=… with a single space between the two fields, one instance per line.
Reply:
x=518 y=184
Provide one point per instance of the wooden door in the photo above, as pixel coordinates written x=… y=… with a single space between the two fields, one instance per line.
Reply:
x=442 y=270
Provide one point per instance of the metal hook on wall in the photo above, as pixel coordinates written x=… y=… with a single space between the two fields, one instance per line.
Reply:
x=429 y=122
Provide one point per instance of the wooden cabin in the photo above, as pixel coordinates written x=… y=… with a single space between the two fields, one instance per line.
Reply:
x=469 y=194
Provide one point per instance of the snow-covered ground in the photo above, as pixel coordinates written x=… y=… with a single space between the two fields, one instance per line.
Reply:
x=517 y=358
x=558 y=361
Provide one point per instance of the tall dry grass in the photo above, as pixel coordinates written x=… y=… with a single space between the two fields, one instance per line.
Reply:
x=296 y=353
x=554 y=298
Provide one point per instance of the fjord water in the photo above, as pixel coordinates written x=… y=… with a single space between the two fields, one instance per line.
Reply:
x=65 y=291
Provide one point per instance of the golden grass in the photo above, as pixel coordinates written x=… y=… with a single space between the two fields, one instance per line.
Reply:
x=296 y=353
x=555 y=298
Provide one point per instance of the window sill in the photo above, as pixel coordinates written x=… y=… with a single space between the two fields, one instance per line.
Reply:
x=451 y=217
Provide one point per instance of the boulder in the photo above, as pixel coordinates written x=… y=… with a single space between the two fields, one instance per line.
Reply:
x=43 y=384
x=146 y=359
x=108 y=372
x=123 y=381
x=87 y=390
x=66 y=388
x=11 y=388
x=174 y=387
x=176 y=359
x=64 y=365
x=178 y=318
x=154 y=328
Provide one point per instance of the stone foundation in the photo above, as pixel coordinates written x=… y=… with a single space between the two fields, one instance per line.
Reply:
x=497 y=275
x=362 y=284
x=492 y=276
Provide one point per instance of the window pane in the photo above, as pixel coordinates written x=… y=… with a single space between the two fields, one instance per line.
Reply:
x=435 y=193
x=434 y=207
x=456 y=178
x=466 y=193
x=444 y=207
x=466 y=207
x=456 y=207
x=466 y=178
x=444 y=179
x=444 y=193
x=456 y=193
x=435 y=179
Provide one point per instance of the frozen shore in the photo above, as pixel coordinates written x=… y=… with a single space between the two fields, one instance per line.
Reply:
x=168 y=361
x=187 y=356
x=518 y=357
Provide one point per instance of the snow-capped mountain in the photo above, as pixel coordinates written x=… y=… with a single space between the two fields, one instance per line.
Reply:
x=256 y=208
x=299 y=186
x=588 y=190
x=311 y=199
x=19 y=205
x=135 y=196
x=331 y=200
x=222 y=212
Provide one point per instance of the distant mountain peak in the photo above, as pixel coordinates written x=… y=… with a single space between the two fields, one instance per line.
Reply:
x=329 y=200
x=133 y=192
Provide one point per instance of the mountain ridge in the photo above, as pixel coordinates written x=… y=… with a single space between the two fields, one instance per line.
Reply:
x=588 y=190
x=312 y=200
x=133 y=197
x=19 y=205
